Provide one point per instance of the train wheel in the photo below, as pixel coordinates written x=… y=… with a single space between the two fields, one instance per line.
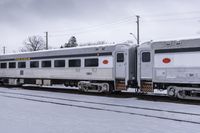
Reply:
x=171 y=91
x=111 y=89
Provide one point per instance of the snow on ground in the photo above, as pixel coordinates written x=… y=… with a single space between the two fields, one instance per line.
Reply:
x=24 y=116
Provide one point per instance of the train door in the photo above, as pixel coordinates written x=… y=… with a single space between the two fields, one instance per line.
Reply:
x=120 y=65
x=146 y=65
x=146 y=71
x=120 y=70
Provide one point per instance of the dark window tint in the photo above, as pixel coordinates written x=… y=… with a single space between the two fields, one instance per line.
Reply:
x=46 y=63
x=146 y=57
x=75 y=63
x=21 y=64
x=3 y=65
x=120 y=57
x=59 y=63
x=12 y=64
x=34 y=64
x=91 y=62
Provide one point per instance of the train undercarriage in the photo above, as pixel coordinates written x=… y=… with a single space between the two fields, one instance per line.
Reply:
x=173 y=90
x=180 y=91
x=83 y=85
x=190 y=93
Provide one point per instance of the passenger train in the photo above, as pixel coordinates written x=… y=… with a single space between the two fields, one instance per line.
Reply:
x=167 y=65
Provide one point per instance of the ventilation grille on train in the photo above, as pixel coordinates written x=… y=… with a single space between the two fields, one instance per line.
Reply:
x=146 y=87
x=120 y=85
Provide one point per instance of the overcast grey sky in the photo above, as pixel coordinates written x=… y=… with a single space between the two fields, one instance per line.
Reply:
x=93 y=20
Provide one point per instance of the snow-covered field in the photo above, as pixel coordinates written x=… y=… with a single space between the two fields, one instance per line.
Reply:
x=26 y=111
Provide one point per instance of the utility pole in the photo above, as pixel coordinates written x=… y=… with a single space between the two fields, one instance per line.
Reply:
x=46 y=40
x=138 y=29
x=4 y=50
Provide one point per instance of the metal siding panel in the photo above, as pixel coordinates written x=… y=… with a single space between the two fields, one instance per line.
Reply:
x=59 y=73
x=177 y=75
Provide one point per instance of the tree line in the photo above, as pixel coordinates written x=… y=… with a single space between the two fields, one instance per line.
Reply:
x=36 y=43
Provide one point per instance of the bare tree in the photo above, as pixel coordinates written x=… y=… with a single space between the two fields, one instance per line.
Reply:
x=33 y=43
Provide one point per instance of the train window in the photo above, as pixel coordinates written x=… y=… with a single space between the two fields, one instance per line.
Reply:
x=120 y=57
x=34 y=64
x=12 y=64
x=59 y=63
x=75 y=63
x=46 y=63
x=3 y=65
x=146 y=57
x=21 y=64
x=92 y=62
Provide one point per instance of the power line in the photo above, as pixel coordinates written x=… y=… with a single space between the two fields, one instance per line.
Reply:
x=176 y=16
x=89 y=30
x=170 y=14
x=121 y=21
x=97 y=26
x=172 y=19
x=83 y=30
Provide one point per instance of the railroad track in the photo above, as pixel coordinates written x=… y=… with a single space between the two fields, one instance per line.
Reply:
x=106 y=106
x=155 y=98
x=99 y=103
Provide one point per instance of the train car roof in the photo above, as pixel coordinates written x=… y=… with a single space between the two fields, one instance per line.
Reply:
x=171 y=44
x=63 y=52
x=184 y=43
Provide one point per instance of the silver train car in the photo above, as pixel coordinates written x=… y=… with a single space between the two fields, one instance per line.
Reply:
x=99 y=68
x=165 y=65
x=170 y=65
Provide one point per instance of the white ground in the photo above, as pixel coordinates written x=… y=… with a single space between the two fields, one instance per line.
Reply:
x=24 y=116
